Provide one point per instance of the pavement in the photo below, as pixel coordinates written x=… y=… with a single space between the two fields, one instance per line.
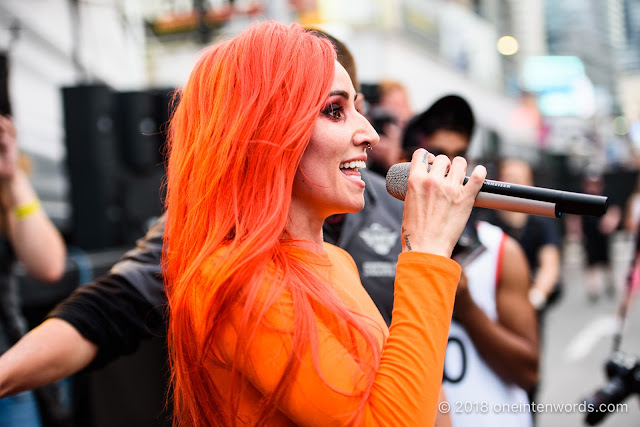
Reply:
x=577 y=340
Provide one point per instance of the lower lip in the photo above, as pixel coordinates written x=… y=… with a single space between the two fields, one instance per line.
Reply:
x=354 y=177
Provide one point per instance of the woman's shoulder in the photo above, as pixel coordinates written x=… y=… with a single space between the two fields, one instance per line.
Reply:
x=339 y=256
x=335 y=251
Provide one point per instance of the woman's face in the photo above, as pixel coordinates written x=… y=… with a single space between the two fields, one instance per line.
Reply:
x=516 y=172
x=328 y=180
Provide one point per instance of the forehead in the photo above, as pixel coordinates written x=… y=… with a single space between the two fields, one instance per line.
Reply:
x=447 y=142
x=341 y=79
x=516 y=166
x=516 y=171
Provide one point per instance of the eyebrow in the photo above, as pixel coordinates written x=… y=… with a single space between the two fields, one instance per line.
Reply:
x=342 y=93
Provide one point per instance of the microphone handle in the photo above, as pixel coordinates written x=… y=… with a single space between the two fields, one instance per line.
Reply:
x=513 y=197
x=516 y=204
x=565 y=201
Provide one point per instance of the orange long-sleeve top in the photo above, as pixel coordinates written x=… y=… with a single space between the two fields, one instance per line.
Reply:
x=408 y=378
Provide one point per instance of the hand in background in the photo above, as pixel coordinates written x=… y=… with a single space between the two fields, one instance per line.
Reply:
x=8 y=148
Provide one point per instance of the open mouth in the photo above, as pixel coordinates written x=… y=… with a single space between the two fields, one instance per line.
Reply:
x=353 y=166
x=352 y=170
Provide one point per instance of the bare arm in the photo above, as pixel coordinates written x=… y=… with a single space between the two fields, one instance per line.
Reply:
x=114 y=313
x=36 y=242
x=510 y=345
x=52 y=351
x=548 y=270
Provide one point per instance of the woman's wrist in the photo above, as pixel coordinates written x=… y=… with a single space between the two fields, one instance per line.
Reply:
x=25 y=210
x=17 y=191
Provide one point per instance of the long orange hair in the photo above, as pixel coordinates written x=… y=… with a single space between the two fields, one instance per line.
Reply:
x=241 y=126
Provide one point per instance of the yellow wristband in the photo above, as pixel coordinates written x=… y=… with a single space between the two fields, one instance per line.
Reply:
x=25 y=210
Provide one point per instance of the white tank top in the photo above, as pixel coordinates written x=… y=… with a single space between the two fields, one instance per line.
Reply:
x=477 y=396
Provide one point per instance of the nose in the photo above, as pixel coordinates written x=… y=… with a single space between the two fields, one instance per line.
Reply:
x=365 y=133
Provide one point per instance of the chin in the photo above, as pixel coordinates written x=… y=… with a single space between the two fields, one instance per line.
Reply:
x=350 y=204
x=354 y=210
x=353 y=207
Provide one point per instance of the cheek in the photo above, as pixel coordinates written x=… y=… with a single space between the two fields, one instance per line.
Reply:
x=313 y=164
x=325 y=146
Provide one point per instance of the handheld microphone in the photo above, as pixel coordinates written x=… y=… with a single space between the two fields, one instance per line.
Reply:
x=514 y=197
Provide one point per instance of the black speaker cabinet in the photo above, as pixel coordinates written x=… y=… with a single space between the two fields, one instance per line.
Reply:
x=139 y=131
x=93 y=166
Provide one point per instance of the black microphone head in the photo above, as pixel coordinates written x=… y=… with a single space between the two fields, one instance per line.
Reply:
x=582 y=204
x=397 y=178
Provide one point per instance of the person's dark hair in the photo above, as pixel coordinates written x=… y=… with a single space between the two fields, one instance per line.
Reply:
x=344 y=56
x=451 y=113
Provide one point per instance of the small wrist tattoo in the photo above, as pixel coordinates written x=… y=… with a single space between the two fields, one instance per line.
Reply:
x=406 y=239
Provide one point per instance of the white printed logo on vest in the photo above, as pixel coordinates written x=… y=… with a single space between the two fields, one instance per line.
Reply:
x=378 y=269
x=379 y=238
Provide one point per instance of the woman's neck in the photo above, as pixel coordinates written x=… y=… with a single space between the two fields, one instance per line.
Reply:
x=305 y=226
x=513 y=219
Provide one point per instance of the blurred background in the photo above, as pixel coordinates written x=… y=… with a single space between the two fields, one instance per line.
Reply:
x=557 y=82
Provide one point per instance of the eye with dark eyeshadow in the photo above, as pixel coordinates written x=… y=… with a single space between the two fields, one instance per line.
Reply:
x=333 y=111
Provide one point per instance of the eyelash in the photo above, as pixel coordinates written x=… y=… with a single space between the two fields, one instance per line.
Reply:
x=331 y=110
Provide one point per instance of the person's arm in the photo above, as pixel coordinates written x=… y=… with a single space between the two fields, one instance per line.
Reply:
x=99 y=322
x=610 y=221
x=122 y=308
x=547 y=275
x=113 y=315
x=548 y=258
x=510 y=345
x=35 y=240
x=50 y=352
x=93 y=326
x=409 y=374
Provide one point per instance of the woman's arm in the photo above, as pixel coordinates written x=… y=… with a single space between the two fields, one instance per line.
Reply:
x=548 y=273
x=408 y=376
x=408 y=380
x=99 y=322
x=52 y=351
x=36 y=242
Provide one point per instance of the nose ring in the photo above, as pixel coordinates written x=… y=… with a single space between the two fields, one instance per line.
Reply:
x=369 y=146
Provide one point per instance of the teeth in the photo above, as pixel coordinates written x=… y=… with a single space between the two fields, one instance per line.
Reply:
x=357 y=164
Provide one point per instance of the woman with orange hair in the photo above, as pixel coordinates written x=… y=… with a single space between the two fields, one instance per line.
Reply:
x=269 y=325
